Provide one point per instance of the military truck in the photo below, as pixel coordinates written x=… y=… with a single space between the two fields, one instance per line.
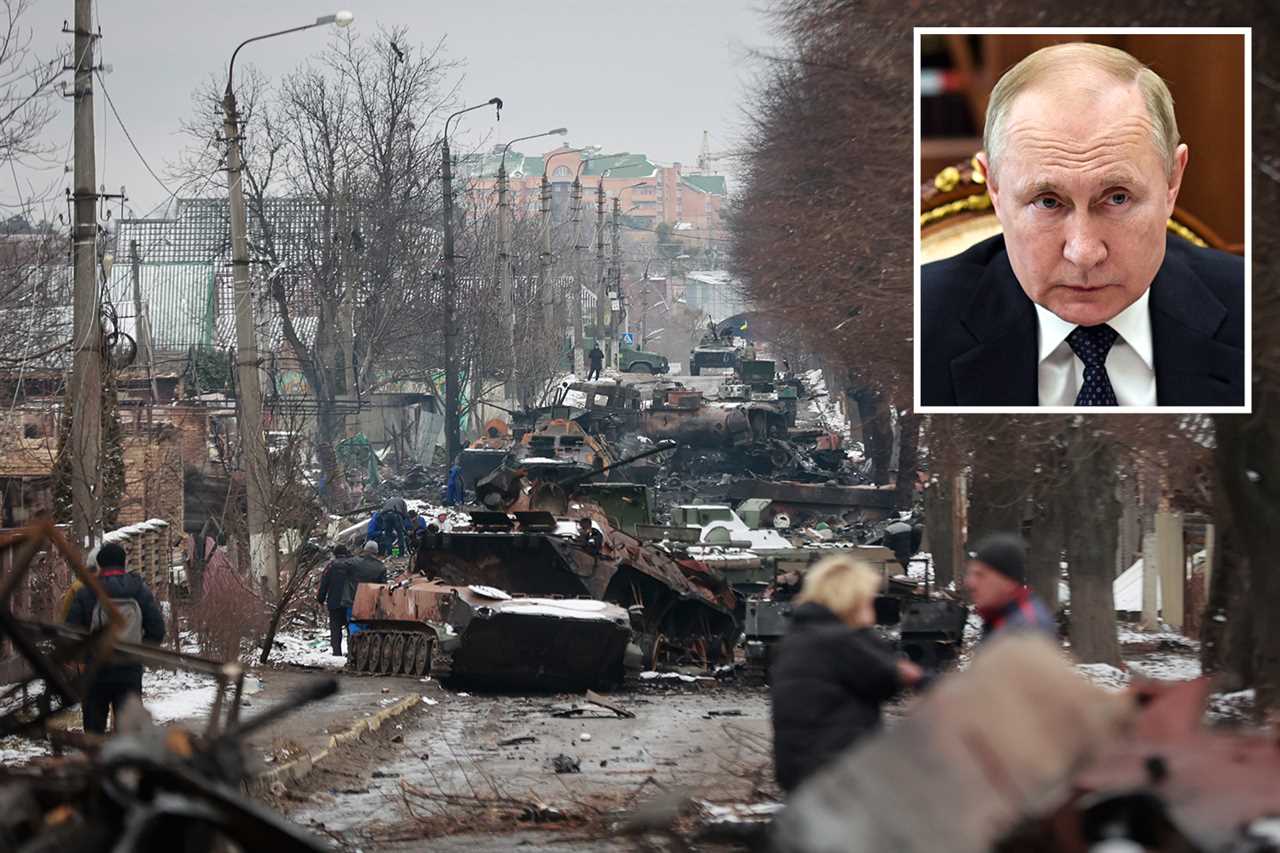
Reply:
x=639 y=361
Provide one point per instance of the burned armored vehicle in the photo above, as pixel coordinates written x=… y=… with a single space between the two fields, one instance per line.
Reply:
x=927 y=628
x=483 y=635
x=676 y=616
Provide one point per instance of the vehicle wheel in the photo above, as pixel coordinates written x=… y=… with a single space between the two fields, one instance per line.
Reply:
x=355 y=652
x=642 y=368
x=377 y=643
x=422 y=656
x=395 y=665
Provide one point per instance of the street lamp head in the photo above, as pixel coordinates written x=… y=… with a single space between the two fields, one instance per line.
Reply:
x=338 y=19
x=559 y=131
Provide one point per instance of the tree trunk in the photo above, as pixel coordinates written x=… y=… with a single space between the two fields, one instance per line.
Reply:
x=1227 y=636
x=877 y=432
x=908 y=458
x=938 y=509
x=1091 y=530
x=1248 y=466
x=997 y=502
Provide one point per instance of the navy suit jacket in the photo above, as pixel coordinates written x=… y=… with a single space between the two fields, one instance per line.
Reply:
x=979 y=333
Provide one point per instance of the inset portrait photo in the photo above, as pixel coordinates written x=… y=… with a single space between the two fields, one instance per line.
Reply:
x=1082 y=220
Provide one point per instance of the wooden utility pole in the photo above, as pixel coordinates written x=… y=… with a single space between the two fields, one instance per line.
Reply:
x=85 y=392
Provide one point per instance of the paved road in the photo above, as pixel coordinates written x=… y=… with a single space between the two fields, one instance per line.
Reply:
x=456 y=759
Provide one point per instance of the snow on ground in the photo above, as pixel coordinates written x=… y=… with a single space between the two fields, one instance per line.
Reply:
x=1130 y=637
x=307 y=647
x=1104 y=675
x=1166 y=667
x=170 y=696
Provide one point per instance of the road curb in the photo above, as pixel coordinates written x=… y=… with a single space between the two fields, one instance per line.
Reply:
x=298 y=769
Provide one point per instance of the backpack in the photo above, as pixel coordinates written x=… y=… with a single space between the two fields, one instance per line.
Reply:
x=130 y=609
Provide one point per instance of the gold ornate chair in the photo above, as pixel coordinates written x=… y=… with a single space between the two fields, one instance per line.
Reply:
x=956 y=212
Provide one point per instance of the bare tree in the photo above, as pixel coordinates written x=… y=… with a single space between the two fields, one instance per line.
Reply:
x=26 y=86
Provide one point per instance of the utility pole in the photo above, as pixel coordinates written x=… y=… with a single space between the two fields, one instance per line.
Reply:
x=86 y=379
x=141 y=319
x=546 y=298
x=452 y=401
x=452 y=405
x=576 y=294
x=505 y=287
x=602 y=297
x=615 y=279
x=263 y=546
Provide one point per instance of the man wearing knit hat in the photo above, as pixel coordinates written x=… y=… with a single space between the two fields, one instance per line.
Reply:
x=996 y=579
x=143 y=622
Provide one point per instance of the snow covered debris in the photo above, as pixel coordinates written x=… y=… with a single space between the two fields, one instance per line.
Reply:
x=17 y=751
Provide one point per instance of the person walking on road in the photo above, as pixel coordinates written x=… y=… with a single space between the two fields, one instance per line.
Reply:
x=831 y=673
x=596 y=357
x=143 y=623
x=332 y=595
x=996 y=579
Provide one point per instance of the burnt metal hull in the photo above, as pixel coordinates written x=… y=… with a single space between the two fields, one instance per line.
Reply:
x=483 y=636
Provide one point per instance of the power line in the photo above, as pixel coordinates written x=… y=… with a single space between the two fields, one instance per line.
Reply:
x=129 y=137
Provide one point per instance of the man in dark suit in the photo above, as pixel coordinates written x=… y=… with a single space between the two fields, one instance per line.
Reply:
x=1085 y=299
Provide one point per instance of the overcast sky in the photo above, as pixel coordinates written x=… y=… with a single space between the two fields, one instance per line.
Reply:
x=645 y=76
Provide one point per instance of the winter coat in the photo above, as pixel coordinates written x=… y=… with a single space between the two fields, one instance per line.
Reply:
x=120 y=584
x=1025 y=613
x=596 y=356
x=362 y=569
x=333 y=584
x=827 y=683
x=375 y=524
x=396 y=505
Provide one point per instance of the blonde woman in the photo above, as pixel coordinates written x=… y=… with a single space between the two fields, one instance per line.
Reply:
x=831 y=673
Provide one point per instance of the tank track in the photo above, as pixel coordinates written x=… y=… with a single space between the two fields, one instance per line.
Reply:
x=385 y=652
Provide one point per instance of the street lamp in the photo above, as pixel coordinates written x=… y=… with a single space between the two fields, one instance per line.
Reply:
x=452 y=404
x=504 y=255
x=263 y=547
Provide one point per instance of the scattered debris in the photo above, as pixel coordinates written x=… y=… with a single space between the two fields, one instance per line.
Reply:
x=566 y=764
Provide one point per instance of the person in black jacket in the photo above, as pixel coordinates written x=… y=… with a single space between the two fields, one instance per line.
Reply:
x=115 y=682
x=831 y=673
x=332 y=594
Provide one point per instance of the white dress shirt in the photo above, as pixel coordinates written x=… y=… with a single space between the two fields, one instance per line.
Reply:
x=1130 y=363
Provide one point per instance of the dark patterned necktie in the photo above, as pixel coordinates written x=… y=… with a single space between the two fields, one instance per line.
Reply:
x=1091 y=345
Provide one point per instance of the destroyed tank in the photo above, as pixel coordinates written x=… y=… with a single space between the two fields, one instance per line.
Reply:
x=482 y=635
x=530 y=545
x=928 y=629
